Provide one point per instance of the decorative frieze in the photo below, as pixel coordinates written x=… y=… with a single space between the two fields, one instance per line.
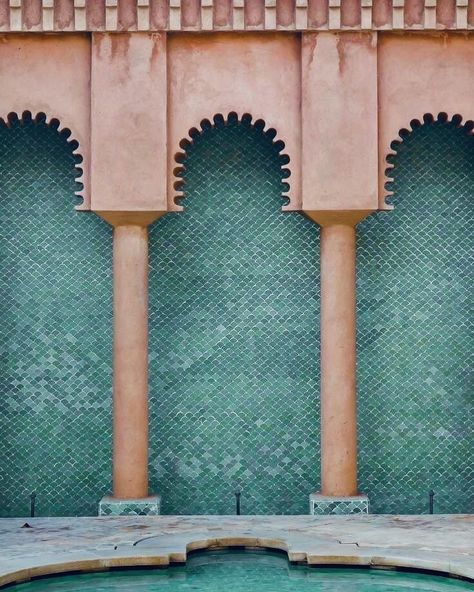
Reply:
x=234 y=15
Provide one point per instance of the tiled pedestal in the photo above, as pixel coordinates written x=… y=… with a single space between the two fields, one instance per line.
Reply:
x=324 y=505
x=147 y=506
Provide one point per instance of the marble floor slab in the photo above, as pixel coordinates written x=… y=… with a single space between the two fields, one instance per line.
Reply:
x=443 y=543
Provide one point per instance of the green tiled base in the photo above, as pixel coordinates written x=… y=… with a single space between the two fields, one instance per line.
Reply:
x=147 y=506
x=324 y=505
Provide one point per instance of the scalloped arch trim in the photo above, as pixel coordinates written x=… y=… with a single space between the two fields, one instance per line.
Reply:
x=404 y=132
x=218 y=120
x=67 y=134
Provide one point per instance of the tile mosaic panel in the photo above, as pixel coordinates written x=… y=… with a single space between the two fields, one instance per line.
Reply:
x=55 y=332
x=416 y=321
x=234 y=336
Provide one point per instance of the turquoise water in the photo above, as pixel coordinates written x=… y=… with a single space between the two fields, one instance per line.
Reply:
x=245 y=572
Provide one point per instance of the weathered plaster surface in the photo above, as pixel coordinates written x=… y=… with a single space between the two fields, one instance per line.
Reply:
x=54 y=545
x=50 y=75
x=219 y=74
x=336 y=99
x=418 y=75
x=129 y=122
x=339 y=114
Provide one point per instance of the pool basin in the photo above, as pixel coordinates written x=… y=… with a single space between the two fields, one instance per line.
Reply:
x=245 y=571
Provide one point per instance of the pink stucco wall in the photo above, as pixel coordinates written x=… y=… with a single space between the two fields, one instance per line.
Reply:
x=336 y=99
x=339 y=112
x=128 y=121
x=219 y=74
x=417 y=75
x=50 y=75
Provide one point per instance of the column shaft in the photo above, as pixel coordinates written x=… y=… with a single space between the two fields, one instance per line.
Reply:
x=338 y=361
x=130 y=383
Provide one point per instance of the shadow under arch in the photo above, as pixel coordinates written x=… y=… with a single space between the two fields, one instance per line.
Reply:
x=234 y=336
x=12 y=120
x=415 y=326
x=456 y=121
x=55 y=335
x=220 y=122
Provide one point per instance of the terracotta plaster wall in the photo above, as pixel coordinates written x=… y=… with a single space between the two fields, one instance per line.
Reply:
x=339 y=111
x=129 y=122
x=222 y=73
x=50 y=75
x=336 y=99
x=421 y=74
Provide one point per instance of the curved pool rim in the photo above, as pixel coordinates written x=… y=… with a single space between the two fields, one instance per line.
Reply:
x=358 y=559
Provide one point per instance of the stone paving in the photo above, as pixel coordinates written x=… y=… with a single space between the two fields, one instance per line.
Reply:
x=443 y=543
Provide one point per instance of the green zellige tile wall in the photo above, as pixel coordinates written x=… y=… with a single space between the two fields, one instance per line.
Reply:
x=234 y=295
x=234 y=305
x=55 y=331
x=416 y=321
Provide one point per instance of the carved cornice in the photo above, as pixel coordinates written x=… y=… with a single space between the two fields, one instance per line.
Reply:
x=234 y=15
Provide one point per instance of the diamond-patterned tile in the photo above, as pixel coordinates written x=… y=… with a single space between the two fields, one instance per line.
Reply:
x=338 y=506
x=113 y=507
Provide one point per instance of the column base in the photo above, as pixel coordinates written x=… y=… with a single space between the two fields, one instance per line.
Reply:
x=328 y=505
x=146 y=506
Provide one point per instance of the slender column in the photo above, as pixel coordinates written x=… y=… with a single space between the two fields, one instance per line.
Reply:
x=130 y=383
x=339 y=493
x=338 y=361
x=130 y=365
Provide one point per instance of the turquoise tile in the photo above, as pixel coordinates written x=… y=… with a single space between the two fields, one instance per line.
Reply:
x=415 y=282
x=234 y=322
x=234 y=287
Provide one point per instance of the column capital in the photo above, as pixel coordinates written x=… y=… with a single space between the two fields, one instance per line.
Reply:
x=129 y=218
x=337 y=217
